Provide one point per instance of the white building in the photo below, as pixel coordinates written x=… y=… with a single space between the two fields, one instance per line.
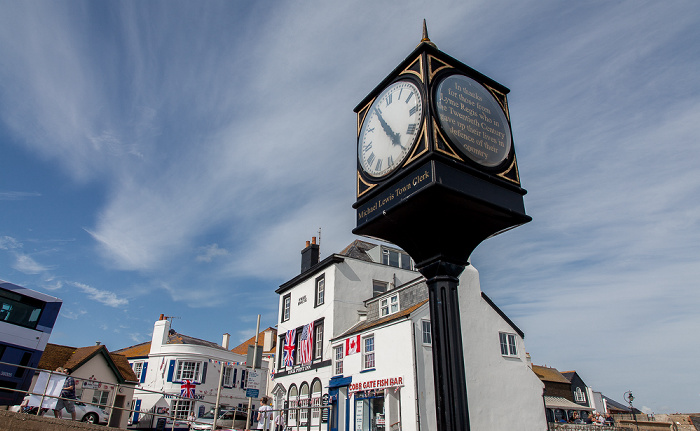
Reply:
x=169 y=359
x=369 y=296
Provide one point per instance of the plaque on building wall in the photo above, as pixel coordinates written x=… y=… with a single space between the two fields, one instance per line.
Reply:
x=473 y=120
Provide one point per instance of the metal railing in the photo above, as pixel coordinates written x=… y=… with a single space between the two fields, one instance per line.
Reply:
x=317 y=416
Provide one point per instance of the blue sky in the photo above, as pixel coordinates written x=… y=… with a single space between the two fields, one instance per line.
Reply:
x=173 y=157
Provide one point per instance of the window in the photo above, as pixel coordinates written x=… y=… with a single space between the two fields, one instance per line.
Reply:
x=320 y=290
x=138 y=369
x=228 y=374
x=318 y=340
x=578 y=395
x=368 y=352
x=338 y=358
x=396 y=259
x=426 y=330
x=100 y=397
x=389 y=305
x=304 y=402
x=508 y=347
x=188 y=370
x=292 y=403
x=286 y=306
x=379 y=287
x=182 y=408
x=244 y=381
x=316 y=400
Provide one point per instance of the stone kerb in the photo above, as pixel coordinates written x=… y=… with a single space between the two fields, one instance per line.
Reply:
x=11 y=421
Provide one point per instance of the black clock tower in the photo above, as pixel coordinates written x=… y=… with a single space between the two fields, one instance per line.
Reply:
x=437 y=175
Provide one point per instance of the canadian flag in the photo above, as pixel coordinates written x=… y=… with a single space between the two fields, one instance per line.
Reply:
x=352 y=345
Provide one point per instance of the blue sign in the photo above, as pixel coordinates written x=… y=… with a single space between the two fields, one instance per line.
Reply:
x=252 y=393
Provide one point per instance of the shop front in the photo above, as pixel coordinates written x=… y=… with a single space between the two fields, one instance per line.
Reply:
x=377 y=404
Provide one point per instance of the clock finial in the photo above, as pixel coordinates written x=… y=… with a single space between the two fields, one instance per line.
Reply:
x=425 y=38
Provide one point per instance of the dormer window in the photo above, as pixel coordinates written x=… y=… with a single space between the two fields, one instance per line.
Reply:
x=389 y=305
x=396 y=258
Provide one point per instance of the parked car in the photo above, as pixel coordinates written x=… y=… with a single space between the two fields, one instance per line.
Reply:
x=232 y=419
x=83 y=412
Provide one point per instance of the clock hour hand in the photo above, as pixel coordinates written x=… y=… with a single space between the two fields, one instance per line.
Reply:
x=395 y=137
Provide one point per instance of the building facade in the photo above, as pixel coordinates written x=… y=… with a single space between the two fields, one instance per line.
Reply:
x=172 y=364
x=372 y=358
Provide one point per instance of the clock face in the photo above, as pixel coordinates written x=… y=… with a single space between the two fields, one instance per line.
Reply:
x=390 y=129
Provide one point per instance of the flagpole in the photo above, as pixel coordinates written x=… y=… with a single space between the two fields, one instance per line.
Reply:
x=255 y=359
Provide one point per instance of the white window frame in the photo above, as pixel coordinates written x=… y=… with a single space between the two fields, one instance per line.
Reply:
x=138 y=370
x=195 y=371
x=304 y=402
x=100 y=397
x=320 y=290
x=368 y=349
x=404 y=261
x=318 y=340
x=316 y=390
x=509 y=344
x=426 y=332
x=286 y=307
x=227 y=378
x=338 y=355
x=182 y=408
x=578 y=395
x=389 y=305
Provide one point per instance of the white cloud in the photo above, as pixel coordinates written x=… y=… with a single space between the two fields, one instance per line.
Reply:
x=210 y=252
x=103 y=296
x=15 y=196
x=9 y=243
x=27 y=265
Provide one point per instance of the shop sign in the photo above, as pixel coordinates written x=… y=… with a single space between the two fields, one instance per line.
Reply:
x=376 y=384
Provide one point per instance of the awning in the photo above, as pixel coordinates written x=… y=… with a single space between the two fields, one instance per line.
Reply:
x=563 y=403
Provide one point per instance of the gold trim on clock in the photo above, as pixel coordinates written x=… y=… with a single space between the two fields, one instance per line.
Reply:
x=431 y=72
x=421 y=141
x=419 y=72
x=452 y=153
x=361 y=181
x=513 y=167
x=362 y=113
x=500 y=98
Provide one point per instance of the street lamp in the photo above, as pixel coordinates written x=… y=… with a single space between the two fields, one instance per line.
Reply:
x=629 y=397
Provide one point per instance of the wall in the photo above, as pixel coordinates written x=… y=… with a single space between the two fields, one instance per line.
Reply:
x=11 y=421
x=501 y=391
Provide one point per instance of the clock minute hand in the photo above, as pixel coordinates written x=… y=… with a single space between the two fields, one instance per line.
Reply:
x=395 y=137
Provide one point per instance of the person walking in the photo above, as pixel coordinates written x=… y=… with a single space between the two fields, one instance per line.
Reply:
x=68 y=392
x=264 y=414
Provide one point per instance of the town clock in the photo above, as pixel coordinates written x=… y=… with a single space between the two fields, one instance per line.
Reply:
x=437 y=175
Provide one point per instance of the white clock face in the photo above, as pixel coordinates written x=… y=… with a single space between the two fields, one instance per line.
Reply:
x=390 y=129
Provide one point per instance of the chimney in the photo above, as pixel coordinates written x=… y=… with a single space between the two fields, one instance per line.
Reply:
x=309 y=255
x=161 y=330
x=268 y=341
x=225 y=341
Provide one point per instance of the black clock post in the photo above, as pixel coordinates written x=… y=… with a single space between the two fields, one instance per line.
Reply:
x=437 y=175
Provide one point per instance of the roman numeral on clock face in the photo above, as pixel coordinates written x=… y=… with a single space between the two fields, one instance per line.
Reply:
x=413 y=110
x=370 y=159
x=367 y=147
x=411 y=129
x=379 y=165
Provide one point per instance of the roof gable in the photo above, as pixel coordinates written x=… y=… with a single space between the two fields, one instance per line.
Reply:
x=55 y=356
x=547 y=374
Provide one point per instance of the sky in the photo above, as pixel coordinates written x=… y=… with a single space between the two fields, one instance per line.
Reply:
x=174 y=157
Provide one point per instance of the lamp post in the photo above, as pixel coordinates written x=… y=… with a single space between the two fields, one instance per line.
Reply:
x=629 y=397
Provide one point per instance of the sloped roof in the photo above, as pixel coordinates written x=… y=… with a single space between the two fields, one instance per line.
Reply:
x=358 y=250
x=365 y=324
x=55 y=356
x=138 y=351
x=547 y=374
x=242 y=348
x=562 y=403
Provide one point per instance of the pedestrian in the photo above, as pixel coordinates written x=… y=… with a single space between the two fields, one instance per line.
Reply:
x=264 y=414
x=279 y=421
x=67 y=395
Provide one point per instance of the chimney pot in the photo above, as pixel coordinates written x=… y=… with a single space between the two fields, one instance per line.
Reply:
x=307 y=243
x=313 y=240
x=162 y=317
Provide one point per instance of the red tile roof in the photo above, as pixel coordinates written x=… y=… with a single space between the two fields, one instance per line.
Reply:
x=243 y=347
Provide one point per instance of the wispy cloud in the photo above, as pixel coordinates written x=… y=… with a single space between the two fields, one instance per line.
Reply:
x=16 y=196
x=9 y=243
x=208 y=253
x=26 y=264
x=103 y=296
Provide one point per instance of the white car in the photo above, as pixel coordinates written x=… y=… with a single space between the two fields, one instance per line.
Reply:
x=83 y=412
x=226 y=420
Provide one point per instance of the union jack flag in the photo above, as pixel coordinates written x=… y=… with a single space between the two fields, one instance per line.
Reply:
x=306 y=344
x=289 y=344
x=187 y=389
